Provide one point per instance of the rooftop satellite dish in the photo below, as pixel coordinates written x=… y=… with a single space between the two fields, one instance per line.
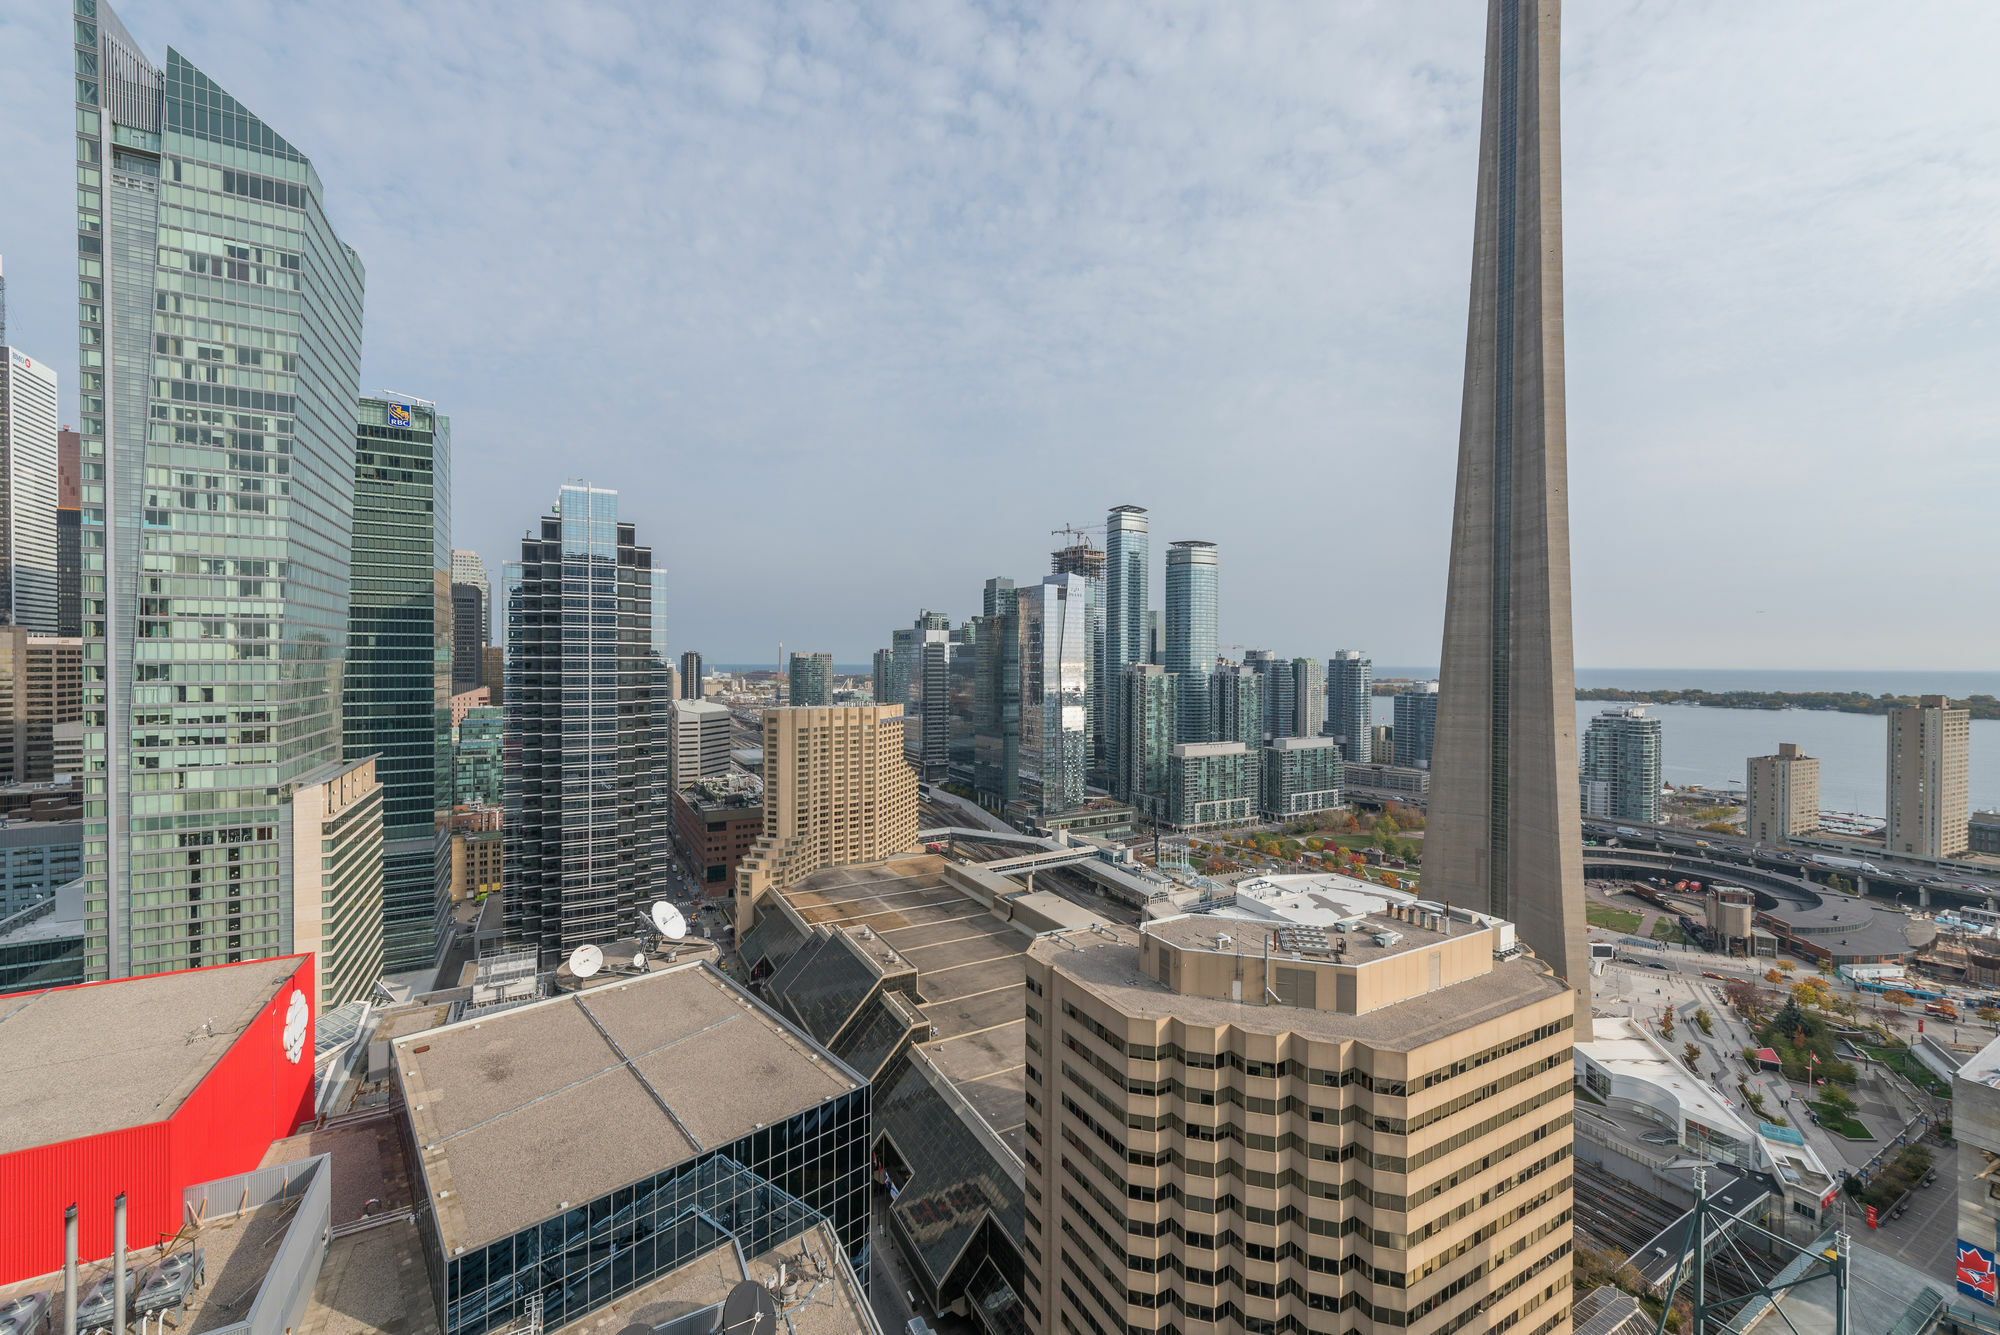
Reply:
x=585 y=960
x=748 y=1310
x=669 y=921
x=639 y=961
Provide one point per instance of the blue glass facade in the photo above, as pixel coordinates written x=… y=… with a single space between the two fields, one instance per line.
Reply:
x=1127 y=560
x=1191 y=633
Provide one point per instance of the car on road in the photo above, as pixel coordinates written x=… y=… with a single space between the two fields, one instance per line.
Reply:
x=1658 y=964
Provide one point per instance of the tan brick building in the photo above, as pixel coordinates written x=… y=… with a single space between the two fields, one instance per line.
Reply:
x=1930 y=755
x=836 y=791
x=334 y=828
x=1781 y=795
x=1298 y=1118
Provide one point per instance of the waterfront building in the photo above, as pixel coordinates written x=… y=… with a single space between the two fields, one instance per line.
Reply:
x=1930 y=754
x=1211 y=783
x=339 y=883
x=478 y=766
x=1236 y=705
x=1781 y=795
x=472 y=622
x=28 y=491
x=810 y=679
x=837 y=790
x=1146 y=712
x=691 y=678
x=1191 y=633
x=1308 y=699
x=699 y=738
x=1416 y=724
x=1620 y=771
x=1086 y=561
x=1442 y=1036
x=397 y=684
x=69 y=535
x=1504 y=831
x=587 y=814
x=1054 y=629
x=220 y=350
x=996 y=742
x=1127 y=568
x=41 y=695
x=1350 y=703
x=1301 y=775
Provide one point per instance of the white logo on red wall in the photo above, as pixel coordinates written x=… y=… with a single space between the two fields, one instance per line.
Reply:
x=296 y=1016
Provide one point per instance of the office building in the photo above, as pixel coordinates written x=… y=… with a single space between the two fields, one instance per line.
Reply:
x=41 y=693
x=1444 y=1053
x=1236 y=705
x=493 y=671
x=41 y=945
x=1301 y=775
x=1620 y=770
x=36 y=858
x=810 y=680
x=1054 y=629
x=1146 y=711
x=220 y=332
x=716 y=824
x=471 y=622
x=1308 y=699
x=397 y=688
x=883 y=674
x=691 y=676
x=1930 y=752
x=1191 y=633
x=927 y=716
x=962 y=689
x=340 y=885
x=69 y=534
x=478 y=761
x=587 y=794
x=996 y=705
x=700 y=738
x=1127 y=568
x=478 y=853
x=997 y=596
x=28 y=492
x=1211 y=783
x=1086 y=561
x=1416 y=724
x=902 y=665
x=1382 y=742
x=1350 y=703
x=1983 y=833
x=837 y=790
x=1781 y=795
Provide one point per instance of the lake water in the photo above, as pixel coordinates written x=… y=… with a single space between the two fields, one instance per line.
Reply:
x=1709 y=746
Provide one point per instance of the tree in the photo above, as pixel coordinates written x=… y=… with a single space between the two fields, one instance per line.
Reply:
x=1773 y=976
x=1704 y=1020
x=1896 y=998
x=1839 y=885
x=1988 y=1014
x=1667 y=1026
x=1836 y=1101
x=1741 y=994
x=1786 y=966
x=1691 y=1055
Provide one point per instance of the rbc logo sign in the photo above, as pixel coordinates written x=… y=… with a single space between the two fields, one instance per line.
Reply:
x=399 y=414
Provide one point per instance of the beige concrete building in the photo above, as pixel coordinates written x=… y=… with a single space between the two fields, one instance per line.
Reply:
x=1930 y=751
x=335 y=847
x=1315 y=1110
x=836 y=791
x=1781 y=795
x=41 y=691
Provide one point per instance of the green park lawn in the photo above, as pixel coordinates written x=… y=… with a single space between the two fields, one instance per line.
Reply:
x=1616 y=920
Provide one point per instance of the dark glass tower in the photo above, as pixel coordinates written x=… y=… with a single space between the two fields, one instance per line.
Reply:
x=1127 y=561
x=396 y=697
x=1191 y=633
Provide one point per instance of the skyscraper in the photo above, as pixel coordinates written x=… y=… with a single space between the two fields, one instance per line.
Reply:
x=1146 y=712
x=1781 y=795
x=1620 y=770
x=1308 y=698
x=28 y=426
x=1127 y=560
x=1930 y=754
x=1416 y=724
x=1280 y=694
x=1504 y=832
x=397 y=687
x=472 y=622
x=691 y=675
x=1084 y=560
x=927 y=730
x=1054 y=626
x=996 y=741
x=1236 y=705
x=1350 y=703
x=69 y=533
x=220 y=332
x=1191 y=637
x=810 y=679
x=588 y=811
x=884 y=673
x=997 y=597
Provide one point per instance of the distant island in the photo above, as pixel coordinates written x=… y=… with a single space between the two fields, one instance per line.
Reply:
x=1845 y=702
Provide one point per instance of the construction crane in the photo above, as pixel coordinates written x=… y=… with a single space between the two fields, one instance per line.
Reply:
x=1079 y=535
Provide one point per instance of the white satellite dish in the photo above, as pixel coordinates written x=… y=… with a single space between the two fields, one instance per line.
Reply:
x=669 y=921
x=639 y=961
x=585 y=960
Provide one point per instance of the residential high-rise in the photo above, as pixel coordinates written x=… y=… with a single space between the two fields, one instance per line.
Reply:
x=1236 y=705
x=837 y=790
x=1146 y=712
x=1080 y=558
x=1301 y=775
x=1431 y=1055
x=810 y=679
x=691 y=678
x=1308 y=699
x=1054 y=628
x=1781 y=795
x=997 y=597
x=927 y=715
x=472 y=622
x=1211 y=783
x=884 y=674
x=699 y=737
x=902 y=668
x=1127 y=564
x=69 y=533
x=1191 y=633
x=1504 y=832
x=1930 y=752
x=333 y=823
x=1620 y=770
x=1382 y=743
x=1281 y=704
x=477 y=757
x=1155 y=653
x=588 y=807
x=1416 y=724
x=220 y=332
x=996 y=742
x=41 y=695
x=397 y=686
x=28 y=494
x=1350 y=703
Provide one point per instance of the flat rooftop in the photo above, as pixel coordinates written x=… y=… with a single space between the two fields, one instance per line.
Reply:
x=495 y=1101
x=81 y=1061
x=970 y=972
x=1622 y=1049
x=826 y=1297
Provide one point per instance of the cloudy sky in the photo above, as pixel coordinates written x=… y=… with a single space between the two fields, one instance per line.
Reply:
x=855 y=303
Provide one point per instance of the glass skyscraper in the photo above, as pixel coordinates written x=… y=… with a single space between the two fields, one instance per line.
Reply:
x=1054 y=619
x=396 y=692
x=1350 y=703
x=1236 y=705
x=1190 y=633
x=220 y=333
x=996 y=702
x=1085 y=560
x=810 y=679
x=586 y=736
x=1127 y=559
